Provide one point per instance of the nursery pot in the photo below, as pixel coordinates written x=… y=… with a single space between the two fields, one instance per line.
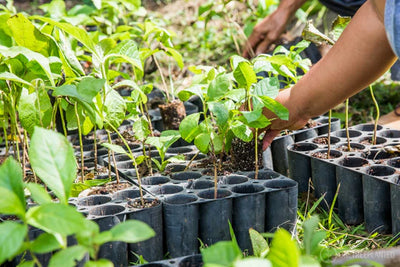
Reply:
x=181 y=228
x=215 y=215
x=280 y=154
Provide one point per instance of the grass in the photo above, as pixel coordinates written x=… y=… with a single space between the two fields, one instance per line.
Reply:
x=341 y=239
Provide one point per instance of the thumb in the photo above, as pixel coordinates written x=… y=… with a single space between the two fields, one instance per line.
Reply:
x=269 y=137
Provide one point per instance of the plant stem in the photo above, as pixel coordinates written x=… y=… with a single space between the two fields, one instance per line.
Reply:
x=347 y=125
x=113 y=158
x=256 y=149
x=109 y=164
x=377 y=115
x=162 y=78
x=215 y=177
x=95 y=146
x=191 y=160
x=329 y=134
x=62 y=119
x=80 y=142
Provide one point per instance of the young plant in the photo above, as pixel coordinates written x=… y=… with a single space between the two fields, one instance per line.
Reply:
x=162 y=143
x=52 y=158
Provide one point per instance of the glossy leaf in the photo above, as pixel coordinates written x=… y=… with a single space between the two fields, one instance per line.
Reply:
x=131 y=231
x=189 y=127
x=141 y=129
x=12 y=237
x=244 y=75
x=220 y=112
x=254 y=119
x=202 y=142
x=52 y=158
x=7 y=76
x=89 y=87
x=258 y=242
x=115 y=108
x=223 y=253
x=45 y=243
x=242 y=131
x=176 y=56
x=38 y=193
x=56 y=218
x=283 y=251
x=218 y=87
x=280 y=110
x=12 y=198
x=312 y=34
x=267 y=87
x=338 y=26
x=99 y=263
x=68 y=257
x=116 y=148
x=25 y=34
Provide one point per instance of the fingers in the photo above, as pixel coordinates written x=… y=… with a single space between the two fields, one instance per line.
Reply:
x=254 y=39
x=269 y=137
x=263 y=46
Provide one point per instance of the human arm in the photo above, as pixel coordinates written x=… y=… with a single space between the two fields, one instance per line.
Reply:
x=360 y=56
x=271 y=27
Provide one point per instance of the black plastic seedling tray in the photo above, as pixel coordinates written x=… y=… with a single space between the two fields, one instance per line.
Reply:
x=368 y=175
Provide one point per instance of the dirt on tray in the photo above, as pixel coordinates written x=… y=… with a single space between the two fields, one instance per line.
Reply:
x=104 y=189
x=137 y=203
x=311 y=124
x=172 y=114
x=243 y=154
x=345 y=148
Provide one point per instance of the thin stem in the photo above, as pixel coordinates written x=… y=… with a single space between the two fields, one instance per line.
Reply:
x=256 y=149
x=377 y=115
x=113 y=158
x=80 y=142
x=191 y=160
x=109 y=164
x=329 y=134
x=215 y=177
x=95 y=146
x=62 y=119
x=162 y=78
x=347 y=125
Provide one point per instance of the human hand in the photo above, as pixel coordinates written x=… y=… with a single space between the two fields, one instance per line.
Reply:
x=266 y=32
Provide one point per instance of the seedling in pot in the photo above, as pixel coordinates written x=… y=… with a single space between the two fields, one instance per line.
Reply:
x=52 y=158
x=162 y=143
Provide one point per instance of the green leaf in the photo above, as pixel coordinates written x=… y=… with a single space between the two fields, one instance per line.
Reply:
x=220 y=112
x=223 y=253
x=259 y=244
x=237 y=95
x=267 y=87
x=242 y=131
x=126 y=51
x=253 y=262
x=45 y=243
x=312 y=237
x=78 y=33
x=338 y=26
x=115 y=108
x=12 y=198
x=68 y=257
x=12 y=237
x=176 y=55
x=131 y=231
x=56 y=218
x=235 y=60
x=141 y=129
x=245 y=75
x=280 y=110
x=89 y=87
x=254 y=119
x=77 y=188
x=27 y=264
x=116 y=148
x=218 y=87
x=38 y=193
x=196 y=89
x=283 y=251
x=29 y=115
x=52 y=158
x=7 y=76
x=99 y=263
x=202 y=142
x=189 y=127
x=308 y=261
x=25 y=34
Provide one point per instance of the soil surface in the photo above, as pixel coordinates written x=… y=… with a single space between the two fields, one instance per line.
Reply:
x=345 y=148
x=321 y=140
x=104 y=189
x=311 y=124
x=137 y=203
x=243 y=155
x=323 y=155
x=172 y=114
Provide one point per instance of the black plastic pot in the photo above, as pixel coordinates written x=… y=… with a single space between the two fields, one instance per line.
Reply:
x=181 y=217
x=281 y=204
x=248 y=212
x=324 y=178
x=215 y=215
x=376 y=195
x=280 y=155
x=300 y=164
x=151 y=249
